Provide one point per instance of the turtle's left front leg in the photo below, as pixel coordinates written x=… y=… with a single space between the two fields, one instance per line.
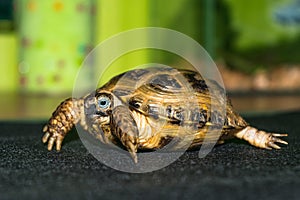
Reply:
x=66 y=115
x=125 y=129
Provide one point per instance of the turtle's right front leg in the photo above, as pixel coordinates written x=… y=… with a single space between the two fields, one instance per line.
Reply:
x=66 y=115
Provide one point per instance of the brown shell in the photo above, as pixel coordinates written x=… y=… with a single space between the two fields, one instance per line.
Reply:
x=176 y=98
x=153 y=91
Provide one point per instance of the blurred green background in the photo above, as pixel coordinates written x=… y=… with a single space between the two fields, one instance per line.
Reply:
x=43 y=43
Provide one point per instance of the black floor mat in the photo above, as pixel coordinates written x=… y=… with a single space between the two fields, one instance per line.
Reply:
x=231 y=171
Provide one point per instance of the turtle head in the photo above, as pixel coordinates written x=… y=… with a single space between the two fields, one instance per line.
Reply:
x=98 y=106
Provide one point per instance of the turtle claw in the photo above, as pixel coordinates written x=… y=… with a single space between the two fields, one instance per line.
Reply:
x=279 y=135
x=46 y=137
x=51 y=143
x=132 y=150
x=273 y=139
x=134 y=156
x=272 y=145
x=58 y=143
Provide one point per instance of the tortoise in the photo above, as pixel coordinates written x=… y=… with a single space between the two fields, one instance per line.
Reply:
x=144 y=109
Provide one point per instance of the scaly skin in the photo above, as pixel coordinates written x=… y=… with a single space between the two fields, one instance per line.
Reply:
x=261 y=138
x=67 y=114
x=127 y=131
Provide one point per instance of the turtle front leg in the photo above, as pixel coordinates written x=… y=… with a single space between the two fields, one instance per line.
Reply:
x=261 y=138
x=66 y=115
x=125 y=129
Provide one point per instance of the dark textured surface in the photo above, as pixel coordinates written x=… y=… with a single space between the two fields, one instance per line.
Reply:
x=231 y=171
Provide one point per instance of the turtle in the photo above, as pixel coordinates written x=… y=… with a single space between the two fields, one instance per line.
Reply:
x=145 y=109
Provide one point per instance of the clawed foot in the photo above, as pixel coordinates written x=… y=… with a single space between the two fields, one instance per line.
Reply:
x=52 y=137
x=273 y=139
x=260 y=138
x=66 y=115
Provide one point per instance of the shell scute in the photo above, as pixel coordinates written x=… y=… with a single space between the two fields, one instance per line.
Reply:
x=165 y=81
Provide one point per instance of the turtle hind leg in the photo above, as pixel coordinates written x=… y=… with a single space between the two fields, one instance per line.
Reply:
x=125 y=129
x=261 y=138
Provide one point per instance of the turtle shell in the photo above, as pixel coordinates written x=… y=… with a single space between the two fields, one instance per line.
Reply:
x=168 y=98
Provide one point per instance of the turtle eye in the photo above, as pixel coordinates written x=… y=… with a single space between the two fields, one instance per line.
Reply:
x=103 y=102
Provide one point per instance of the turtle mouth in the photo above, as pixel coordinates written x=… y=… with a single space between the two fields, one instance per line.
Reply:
x=101 y=114
x=96 y=115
